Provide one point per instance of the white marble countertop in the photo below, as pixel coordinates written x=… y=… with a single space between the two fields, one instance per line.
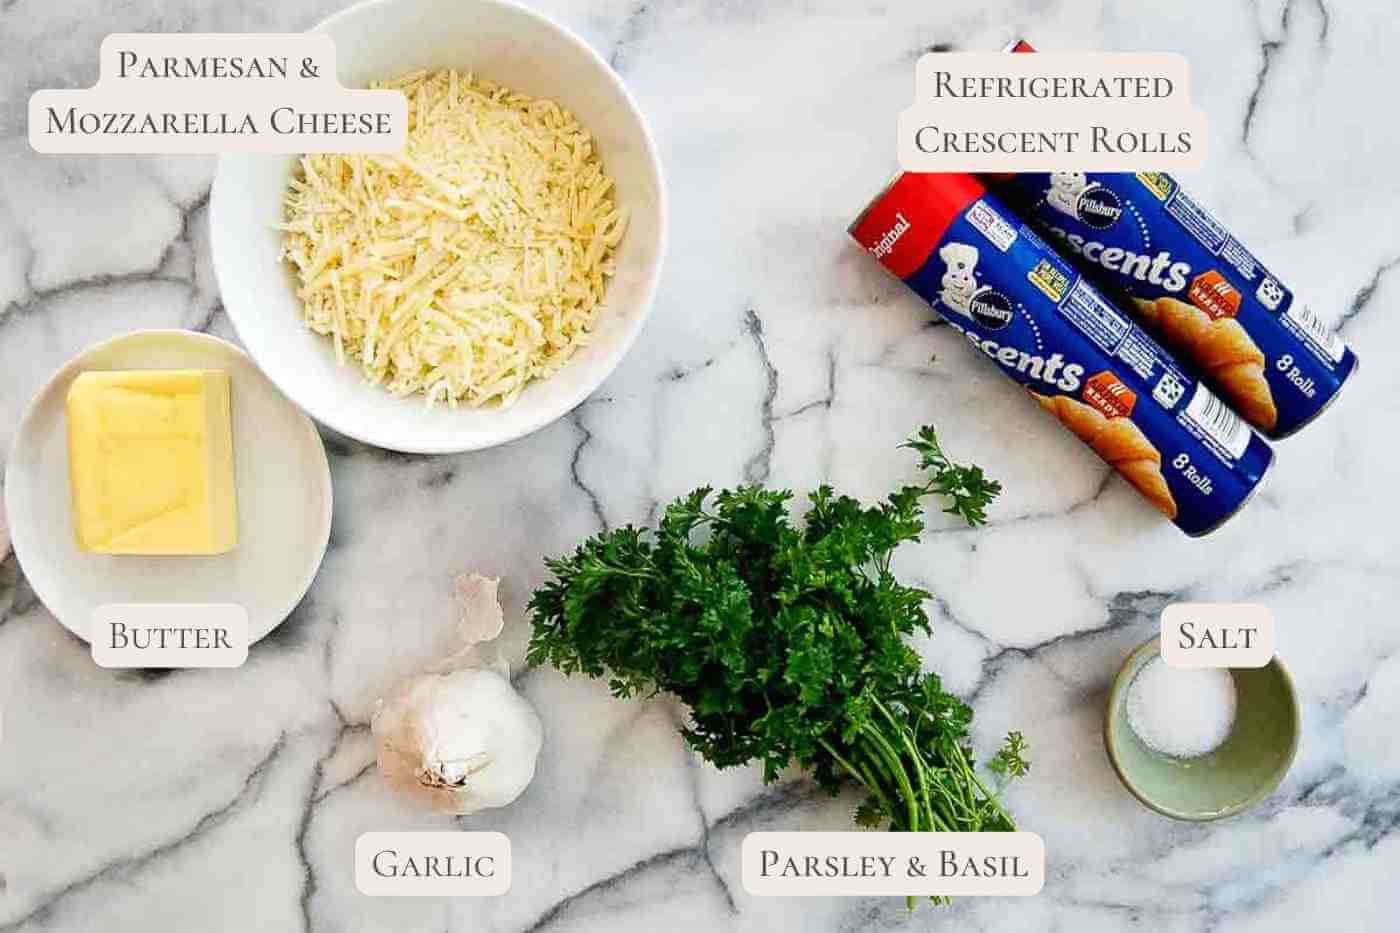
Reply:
x=218 y=800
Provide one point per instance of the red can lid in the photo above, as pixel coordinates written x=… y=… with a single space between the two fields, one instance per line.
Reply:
x=902 y=226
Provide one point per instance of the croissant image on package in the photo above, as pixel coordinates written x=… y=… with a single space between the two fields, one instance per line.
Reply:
x=1119 y=442
x=1224 y=352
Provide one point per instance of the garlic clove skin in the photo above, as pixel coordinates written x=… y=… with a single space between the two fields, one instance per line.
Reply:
x=481 y=617
x=479 y=623
x=460 y=742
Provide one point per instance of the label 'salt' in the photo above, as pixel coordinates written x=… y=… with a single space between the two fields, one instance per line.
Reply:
x=1217 y=635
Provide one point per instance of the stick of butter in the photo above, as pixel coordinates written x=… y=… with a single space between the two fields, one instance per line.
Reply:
x=150 y=457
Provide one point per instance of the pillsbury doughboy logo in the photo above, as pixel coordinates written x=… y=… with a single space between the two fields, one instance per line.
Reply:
x=959 y=276
x=961 y=293
x=1072 y=194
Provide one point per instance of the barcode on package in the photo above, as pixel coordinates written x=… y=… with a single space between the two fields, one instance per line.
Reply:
x=1323 y=339
x=1214 y=419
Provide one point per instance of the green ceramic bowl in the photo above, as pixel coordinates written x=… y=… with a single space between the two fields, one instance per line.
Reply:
x=1245 y=769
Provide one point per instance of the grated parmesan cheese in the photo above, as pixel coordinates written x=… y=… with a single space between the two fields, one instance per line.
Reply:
x=470 y=263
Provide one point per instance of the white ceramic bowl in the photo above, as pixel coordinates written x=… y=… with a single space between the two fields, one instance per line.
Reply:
x=502 y=42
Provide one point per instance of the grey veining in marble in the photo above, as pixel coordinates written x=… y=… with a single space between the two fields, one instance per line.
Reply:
x=230 y=800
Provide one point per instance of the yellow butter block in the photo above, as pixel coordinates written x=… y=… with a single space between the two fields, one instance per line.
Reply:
x=150 y=457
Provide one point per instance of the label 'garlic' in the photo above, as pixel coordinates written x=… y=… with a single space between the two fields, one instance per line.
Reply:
x=459 y=738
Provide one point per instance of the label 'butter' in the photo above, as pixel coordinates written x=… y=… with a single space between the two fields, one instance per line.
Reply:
x=150 y=457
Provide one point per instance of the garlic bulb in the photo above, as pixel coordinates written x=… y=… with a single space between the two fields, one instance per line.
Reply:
x=459 y=738
x=460 y=742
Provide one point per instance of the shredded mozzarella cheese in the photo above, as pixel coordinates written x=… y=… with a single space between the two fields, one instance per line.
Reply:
x=468 y=264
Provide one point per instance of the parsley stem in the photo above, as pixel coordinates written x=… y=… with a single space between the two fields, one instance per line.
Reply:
x=897 y=771
x=993 y=799
x=865 y=780
x=920 y=768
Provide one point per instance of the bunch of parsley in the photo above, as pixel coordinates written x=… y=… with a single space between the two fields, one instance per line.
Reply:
x=787 y=643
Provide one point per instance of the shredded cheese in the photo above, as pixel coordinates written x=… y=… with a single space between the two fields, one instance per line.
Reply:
x=467 y=265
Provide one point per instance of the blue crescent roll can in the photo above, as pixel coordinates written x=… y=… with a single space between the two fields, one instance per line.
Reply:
x=1020 y=304
x=1196 y=287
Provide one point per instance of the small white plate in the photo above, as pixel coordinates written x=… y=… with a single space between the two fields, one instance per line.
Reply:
x=283 y=487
